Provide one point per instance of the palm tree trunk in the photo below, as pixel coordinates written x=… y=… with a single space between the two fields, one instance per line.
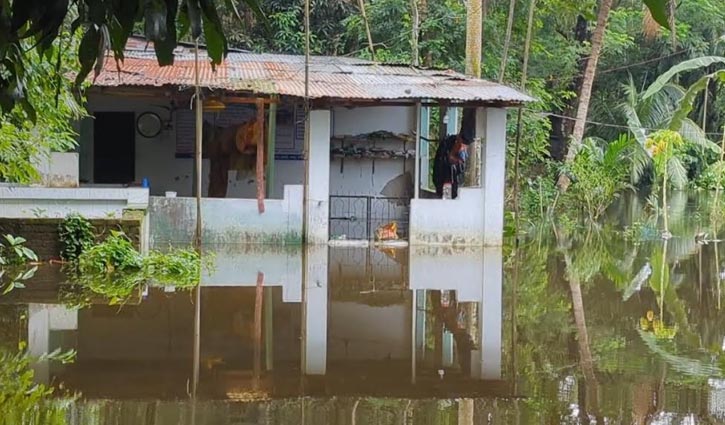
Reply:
x=415 y=32
x=371 y=46
x=671 y=7
x=586 y=91
x=474 y=26
x=507 y=40
x=474 y=37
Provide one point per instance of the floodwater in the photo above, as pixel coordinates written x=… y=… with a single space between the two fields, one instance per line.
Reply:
x=606 y=324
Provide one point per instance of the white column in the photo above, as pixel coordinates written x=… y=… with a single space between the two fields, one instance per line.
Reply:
x=491 y=123
x=318 y=174
x=490 y=317
x=314 y=314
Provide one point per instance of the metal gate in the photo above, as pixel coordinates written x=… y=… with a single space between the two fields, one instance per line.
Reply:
x=357 y=217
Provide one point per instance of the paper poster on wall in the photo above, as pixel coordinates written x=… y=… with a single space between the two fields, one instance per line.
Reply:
x=289 y=138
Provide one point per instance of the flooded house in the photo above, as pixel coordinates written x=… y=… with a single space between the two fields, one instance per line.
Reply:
x=367 y=164
x=348 y=320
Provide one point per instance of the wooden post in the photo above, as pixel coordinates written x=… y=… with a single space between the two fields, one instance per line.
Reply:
x=271 y=147
x=260 y=155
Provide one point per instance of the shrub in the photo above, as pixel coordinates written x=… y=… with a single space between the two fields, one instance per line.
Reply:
x=598 y=175
x=76 y=235
x=116 y=253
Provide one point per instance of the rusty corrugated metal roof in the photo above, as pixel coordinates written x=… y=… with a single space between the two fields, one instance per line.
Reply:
x=335 y=78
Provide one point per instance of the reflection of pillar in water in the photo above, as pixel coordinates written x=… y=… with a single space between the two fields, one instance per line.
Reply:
x=42 y=319
x=420 y=317
x=465 y=411
x=716 y=398
x=314 y=311
x=487 y=363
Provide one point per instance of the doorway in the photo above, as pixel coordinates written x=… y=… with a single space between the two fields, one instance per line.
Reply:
x=114 y=147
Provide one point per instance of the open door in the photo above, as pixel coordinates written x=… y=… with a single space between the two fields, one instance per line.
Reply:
x=114 y=147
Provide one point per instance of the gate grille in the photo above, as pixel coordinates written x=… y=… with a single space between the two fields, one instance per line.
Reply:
x=357 y=217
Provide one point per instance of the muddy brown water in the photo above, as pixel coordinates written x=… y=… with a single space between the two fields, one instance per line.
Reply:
x=609 y=324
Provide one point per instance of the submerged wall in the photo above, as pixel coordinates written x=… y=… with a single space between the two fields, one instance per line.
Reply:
x=42 y=233
x=227 y=221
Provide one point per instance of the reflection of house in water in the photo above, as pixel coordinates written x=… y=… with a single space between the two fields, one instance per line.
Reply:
x=353 y=326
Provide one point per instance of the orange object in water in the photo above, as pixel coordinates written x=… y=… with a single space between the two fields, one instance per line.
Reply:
x=387 y=232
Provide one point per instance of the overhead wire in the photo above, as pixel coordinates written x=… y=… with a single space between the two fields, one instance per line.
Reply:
x=603 y=124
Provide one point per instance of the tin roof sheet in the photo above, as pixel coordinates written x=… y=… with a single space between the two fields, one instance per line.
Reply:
x=335 y=78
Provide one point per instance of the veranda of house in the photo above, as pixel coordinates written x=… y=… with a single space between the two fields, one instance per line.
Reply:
x=368 y=161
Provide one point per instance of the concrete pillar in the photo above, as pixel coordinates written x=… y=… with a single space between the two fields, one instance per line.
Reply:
x=491 y=128
x=490 y=317
x=318 y=175
x=424 y=146
x=314 y=311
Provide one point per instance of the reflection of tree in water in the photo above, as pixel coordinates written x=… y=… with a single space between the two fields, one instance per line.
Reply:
x=583 y=282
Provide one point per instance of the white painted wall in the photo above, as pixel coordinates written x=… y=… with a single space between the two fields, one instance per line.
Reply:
x=352 y=121
x=59 y=169
x=227 y=221
x=91 y=202
x=357 y=176
x=448 y=221
x=155 y=157
x=156 y=160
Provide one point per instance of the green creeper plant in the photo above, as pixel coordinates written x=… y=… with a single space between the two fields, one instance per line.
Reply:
x=76 y=235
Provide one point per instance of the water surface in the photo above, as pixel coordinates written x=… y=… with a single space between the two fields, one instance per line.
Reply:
x=605 y=324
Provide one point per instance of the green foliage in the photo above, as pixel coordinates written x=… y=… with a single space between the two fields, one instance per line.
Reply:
x=598 y=175
x=115 y=270
x=103 y=25
x=76 y=235
x=14 y=252
x=22 y=400
x=115 y=254
x=538 y=197
x=658 y=9
x=713 y=177
x=178 y=267
x=688 y=65
x=14 y=256
x=29 y=134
